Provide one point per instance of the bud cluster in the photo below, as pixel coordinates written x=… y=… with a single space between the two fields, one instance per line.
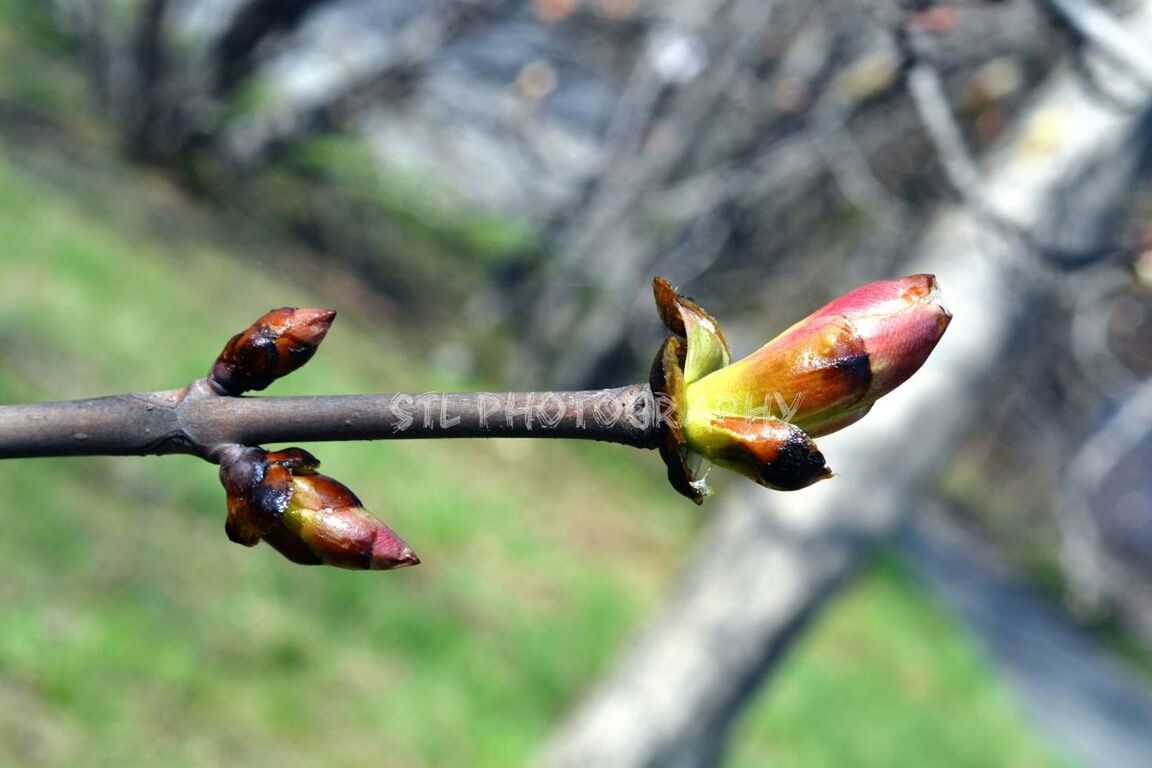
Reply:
x=757 y=416
x=278 y=496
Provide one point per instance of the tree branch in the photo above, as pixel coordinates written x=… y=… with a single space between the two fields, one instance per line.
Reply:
x=925 y=84
x=1107 y=34
x=195 y=420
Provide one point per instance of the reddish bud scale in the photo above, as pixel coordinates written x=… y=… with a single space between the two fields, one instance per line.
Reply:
x=310 y=518
x=329 y=521
x=275 y=345
x=667 y=380
x=774 y=453
x=838 y=361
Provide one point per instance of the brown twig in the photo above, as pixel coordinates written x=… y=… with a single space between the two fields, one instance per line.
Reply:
x=198 y=421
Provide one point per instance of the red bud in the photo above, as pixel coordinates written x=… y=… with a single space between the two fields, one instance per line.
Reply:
x=274 y=346
x=308 y=517
x=834 y=364
x=758 y=416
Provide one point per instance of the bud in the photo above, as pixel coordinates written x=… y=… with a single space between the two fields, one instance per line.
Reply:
x=774 y=453
x=757 y=416
x=274 y=346
x=834 y=364
x=308 y=517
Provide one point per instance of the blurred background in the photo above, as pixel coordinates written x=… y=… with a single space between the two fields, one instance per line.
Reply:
x=484 y=191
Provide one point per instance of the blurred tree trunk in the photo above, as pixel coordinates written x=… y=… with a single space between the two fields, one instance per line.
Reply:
x=164 y=70
x=769 y=562
x=253 y=22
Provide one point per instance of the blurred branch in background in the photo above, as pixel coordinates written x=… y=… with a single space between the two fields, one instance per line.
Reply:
x=1088 y=469
x=1107 y=36
x=322 y=99
x=607 y=141
x=667 y=122
x=764 y=570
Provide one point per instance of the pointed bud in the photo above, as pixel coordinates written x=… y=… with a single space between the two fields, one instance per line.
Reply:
x=274 y=346
x=826 y=371
x=310 y=518
x=325 y=523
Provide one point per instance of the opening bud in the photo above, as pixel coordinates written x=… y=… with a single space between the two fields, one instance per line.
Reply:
x=758 y=416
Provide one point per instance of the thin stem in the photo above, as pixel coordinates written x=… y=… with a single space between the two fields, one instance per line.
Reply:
x=197 y=421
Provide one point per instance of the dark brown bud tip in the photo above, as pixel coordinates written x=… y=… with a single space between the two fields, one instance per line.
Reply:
x=772 y=452
x=274 y=346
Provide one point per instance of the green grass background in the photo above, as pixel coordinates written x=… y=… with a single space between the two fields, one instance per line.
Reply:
x=132 y=633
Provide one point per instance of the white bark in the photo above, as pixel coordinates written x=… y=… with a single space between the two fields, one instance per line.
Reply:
x=770 y=560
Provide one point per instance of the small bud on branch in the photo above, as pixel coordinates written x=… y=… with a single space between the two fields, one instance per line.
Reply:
x=274 y=346
x=310 y=518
